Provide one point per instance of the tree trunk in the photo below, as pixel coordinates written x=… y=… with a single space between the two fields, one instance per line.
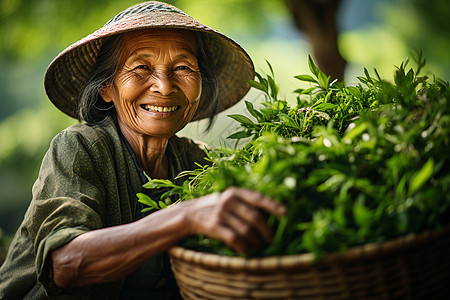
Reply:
x=317 y=19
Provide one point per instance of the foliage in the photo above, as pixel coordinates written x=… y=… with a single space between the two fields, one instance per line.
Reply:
x=334 y=103
x=249 y=18
x=375 y=169
x=32 y=32
x=45 y=25
x=426 y=21
x=399 y=26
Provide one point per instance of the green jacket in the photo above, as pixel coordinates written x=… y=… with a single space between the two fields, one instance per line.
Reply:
x=88 y=180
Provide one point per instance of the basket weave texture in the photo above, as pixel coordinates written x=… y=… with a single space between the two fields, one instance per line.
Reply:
x=416 y=266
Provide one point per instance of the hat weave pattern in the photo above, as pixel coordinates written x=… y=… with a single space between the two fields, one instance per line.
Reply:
x=68 y=72
x=148 y=7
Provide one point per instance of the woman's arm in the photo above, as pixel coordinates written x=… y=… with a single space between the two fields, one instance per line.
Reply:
x=108 y=254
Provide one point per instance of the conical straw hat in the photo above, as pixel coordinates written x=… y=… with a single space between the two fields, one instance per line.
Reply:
x=68 y=72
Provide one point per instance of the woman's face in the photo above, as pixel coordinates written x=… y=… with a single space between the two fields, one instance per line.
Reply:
x=157 y=84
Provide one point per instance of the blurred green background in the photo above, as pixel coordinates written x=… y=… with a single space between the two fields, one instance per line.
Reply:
x=372 y=34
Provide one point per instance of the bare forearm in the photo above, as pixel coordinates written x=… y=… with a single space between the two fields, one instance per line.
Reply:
x=109 y=254
x=104 y=255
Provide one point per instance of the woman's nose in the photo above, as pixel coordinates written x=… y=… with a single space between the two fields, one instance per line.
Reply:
x=162 y=83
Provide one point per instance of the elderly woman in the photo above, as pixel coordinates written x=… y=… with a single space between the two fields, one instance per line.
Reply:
x=133 y=84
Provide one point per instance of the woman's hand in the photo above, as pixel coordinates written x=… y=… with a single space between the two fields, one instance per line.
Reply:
x=234 y=216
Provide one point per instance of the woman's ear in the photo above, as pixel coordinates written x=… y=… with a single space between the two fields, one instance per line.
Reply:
x=106 y=93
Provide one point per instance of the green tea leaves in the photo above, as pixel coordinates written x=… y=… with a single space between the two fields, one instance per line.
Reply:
x=158 y=183
x=307 y=78
x=323 y=80
x=239 y=135
x=242 y=119
x=259 y=116
x=421 y=176
x=144 y=199
x=312 y=67
x=353 y=164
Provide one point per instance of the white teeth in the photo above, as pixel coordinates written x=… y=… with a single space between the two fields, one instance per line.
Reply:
x=160 y=108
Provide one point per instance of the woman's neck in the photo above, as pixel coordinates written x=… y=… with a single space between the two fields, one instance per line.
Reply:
x=150 y=153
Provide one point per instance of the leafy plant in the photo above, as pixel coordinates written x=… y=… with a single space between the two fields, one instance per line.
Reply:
x=324 y=101
x=354 y=165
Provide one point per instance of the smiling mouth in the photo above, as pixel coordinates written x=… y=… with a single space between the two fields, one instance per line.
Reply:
x=155 y=108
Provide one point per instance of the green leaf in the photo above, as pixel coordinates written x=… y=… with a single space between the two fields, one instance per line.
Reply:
x=257 y=85
x=242 y=119
x=323 y=80
x=376 y=73
x=355 y=131
x=270 y=67
x=262 y=80
x=254 y=112
x=158 y=183
x=277 y=239
x=331 y=182
x=268 y=113
x=278 y=105
x=368 y=77
x=273 y=88
x=361 y=214
x=240 y=135
x=354 y=91
x=325 y=106
x=148 y=177
x=422 y=176
x=307 y=78
x=298 y=91
x=312 y=67
x=363 y=80
x=410 y=76
x=308 y=90
x=288 y=120
x=144 y=199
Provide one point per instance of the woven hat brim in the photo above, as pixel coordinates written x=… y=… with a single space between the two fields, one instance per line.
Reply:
x=67 y=73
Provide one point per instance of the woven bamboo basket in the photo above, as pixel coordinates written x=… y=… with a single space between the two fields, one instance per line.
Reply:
x=416 y=266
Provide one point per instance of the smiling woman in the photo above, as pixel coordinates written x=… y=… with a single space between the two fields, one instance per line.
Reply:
x=159 y=69
x=92 y=107
x=133 y=84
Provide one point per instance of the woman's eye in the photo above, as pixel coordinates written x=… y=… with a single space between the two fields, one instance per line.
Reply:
x=143 y=67
x=182 y=68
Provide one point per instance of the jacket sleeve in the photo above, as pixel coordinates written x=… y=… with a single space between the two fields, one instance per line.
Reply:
x=68 y=198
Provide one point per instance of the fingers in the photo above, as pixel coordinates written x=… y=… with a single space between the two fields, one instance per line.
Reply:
x=242 y=237
x=243 y=216
x=256 y=199
x=250 y=217
x=234 y=216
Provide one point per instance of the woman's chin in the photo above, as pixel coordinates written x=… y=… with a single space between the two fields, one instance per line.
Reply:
x=162 y=130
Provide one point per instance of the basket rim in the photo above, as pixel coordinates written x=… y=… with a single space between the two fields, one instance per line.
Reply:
x=352 y=254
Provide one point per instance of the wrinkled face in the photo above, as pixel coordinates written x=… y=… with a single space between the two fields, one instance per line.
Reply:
x=157 y=85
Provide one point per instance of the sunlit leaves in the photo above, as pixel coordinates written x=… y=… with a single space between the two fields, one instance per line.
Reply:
x=322 y=102
x=371 y=166
x=421 y=176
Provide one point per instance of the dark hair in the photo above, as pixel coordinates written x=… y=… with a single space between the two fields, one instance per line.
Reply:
x=210 y=83
x=93 y=109
x=91 y=106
